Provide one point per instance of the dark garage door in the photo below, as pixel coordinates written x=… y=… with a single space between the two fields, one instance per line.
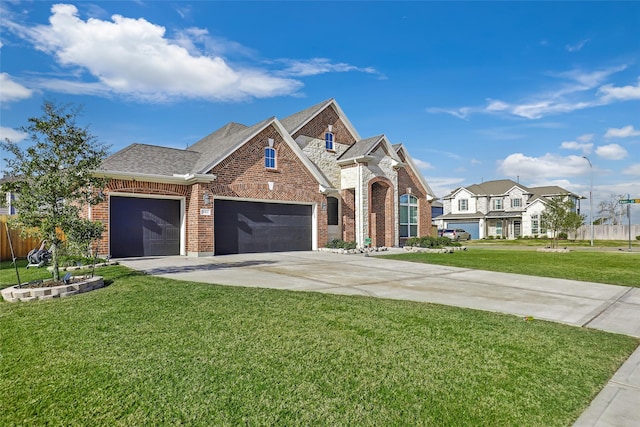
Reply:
x=144 y=227
x=249 y=227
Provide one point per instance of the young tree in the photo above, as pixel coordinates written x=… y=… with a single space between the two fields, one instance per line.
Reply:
x=54 y=175
x=560 y=216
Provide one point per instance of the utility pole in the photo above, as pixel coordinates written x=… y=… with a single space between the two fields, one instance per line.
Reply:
x=590 y=198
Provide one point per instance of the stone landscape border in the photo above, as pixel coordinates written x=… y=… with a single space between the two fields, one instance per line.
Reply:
x=15 y=293
x=445 y=250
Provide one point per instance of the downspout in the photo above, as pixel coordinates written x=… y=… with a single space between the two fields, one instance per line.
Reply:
x=360 y=216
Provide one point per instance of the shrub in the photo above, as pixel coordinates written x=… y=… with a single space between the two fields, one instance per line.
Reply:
x=637 y=237
x=341 y=244
x=562 y=235
x=430 y=242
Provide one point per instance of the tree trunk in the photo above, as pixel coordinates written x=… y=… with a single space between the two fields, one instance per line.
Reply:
x=54 y=261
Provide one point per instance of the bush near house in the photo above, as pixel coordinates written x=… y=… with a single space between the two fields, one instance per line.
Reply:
x=431 y=242
x=341 y=244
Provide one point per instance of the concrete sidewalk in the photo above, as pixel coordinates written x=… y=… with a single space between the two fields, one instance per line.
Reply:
x=593 y=305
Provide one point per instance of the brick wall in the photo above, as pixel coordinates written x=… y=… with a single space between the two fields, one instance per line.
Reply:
x=100 y=212
x=319 y=125
x=243 y=175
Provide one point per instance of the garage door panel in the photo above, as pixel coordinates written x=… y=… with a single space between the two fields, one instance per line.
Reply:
x=144 y=227
x=472 y=228
x=252 y=227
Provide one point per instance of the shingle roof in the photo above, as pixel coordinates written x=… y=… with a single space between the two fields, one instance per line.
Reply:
x=360 y=148
x=364 y=147
x=151 y=160
x=499 y=186
x=296 y=120
x=217 y=146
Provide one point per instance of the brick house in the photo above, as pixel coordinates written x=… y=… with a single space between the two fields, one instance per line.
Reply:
x=502 y=208
x=279 y=185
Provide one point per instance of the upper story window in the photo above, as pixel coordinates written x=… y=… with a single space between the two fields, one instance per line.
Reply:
x=497 y=204
x=408 y=216
x=463 y=204
x=516 y=203
x=270 y=158
x=328 y=140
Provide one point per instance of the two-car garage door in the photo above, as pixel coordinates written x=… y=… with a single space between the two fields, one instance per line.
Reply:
x=249 y=227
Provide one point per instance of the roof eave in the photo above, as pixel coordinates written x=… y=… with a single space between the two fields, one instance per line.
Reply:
x=186 y=179
x=359 y=159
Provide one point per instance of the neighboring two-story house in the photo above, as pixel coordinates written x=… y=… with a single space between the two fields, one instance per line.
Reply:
x=501 y=208
x=278 y=185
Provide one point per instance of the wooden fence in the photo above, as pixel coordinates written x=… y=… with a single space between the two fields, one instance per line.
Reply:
x=21 y=246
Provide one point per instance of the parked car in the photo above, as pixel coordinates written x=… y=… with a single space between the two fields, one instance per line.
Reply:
x=456 y=234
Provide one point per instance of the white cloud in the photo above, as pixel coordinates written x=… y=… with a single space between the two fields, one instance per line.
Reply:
x=574 y=145
x=577 y=47
x=624 y=132
x=634 y=169
x=135 y=58
x=461 y=113
x=314 y=66
x=442 y=186
x=421 y=164
x=11 y=134
x=11 y=90
x=545 y=167
x=587 y=137
x=611 y=152
x=576 y=90
x=611 y=93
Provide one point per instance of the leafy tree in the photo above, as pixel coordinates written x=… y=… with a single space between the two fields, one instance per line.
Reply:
x=560 y=216
x=83 y=233
x=53 y=176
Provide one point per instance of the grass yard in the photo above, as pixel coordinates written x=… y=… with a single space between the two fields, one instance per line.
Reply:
x=148 y=350
x=614 y=268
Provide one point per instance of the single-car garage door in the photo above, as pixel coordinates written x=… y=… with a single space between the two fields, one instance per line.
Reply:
x=250 y=227
x=144 y=227
x=472 y=228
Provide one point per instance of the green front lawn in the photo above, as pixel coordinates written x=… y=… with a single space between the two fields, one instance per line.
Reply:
x=614 y=268
x=147 y=350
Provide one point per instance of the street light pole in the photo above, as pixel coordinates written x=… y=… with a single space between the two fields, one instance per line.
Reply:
x=590 y=198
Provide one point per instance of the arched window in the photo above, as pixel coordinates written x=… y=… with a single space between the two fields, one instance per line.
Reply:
x=332 y=211
x=328 y=140
x=270 y=158
x=408 y=216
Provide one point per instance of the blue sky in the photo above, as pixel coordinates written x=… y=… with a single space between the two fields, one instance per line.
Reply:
x=475 y=90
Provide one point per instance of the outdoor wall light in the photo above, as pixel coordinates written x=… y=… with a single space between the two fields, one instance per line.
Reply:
x=206 y=198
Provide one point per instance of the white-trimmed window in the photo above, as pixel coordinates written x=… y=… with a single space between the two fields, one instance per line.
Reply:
x=408 y=216
x=498 y=228
x=497 y=204
x=516 y=202
x=270 y=158
x=463 y=204
x=535 y=224
x=328 y=141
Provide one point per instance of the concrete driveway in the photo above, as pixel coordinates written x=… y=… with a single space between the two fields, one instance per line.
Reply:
x=593 y=305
